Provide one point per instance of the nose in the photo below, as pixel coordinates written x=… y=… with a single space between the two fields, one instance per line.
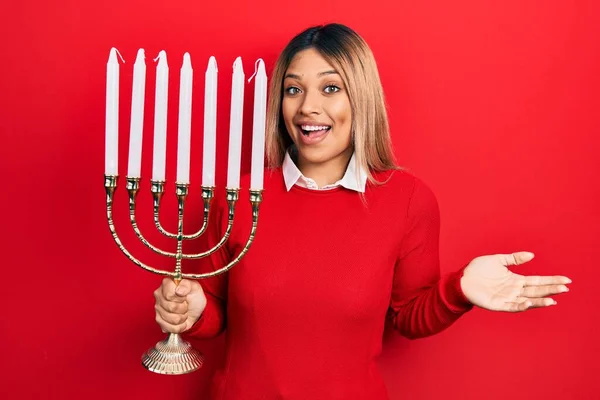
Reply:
x=311 y=103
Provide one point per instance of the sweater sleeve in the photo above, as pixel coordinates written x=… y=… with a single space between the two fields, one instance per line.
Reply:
x=422 y=304
x=212 y=322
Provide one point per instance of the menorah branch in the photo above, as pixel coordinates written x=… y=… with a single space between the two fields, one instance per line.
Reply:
x=157 y=192
x=157 y=189
x=133 y=185
x=231 y=200
x=110 y=184
x=255 y=200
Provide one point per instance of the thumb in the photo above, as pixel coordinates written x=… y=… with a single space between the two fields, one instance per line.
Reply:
x=518 y=258
x=184 y=288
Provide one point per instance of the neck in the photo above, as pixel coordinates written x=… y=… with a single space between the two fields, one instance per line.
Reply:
x=328 y=172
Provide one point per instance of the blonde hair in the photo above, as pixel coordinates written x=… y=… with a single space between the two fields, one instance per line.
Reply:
x=350 y=55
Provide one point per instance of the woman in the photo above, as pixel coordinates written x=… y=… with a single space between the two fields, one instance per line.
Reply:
x=347 y=240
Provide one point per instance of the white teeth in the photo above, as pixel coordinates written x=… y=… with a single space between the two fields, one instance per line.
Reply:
x=314 y=128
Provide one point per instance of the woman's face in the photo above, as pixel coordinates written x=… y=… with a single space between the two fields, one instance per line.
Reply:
x=316 y=110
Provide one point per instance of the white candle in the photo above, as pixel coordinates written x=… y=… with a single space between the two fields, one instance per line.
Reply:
x=235 y=125
x=185 y=120
x=258 y=130
x=160 y=118
x=111 y=160
x=137 y=116
x=210 y=124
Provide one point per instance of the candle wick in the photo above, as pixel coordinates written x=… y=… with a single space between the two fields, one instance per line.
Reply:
x=117 y=50
x=255 y=69
x=158 y=56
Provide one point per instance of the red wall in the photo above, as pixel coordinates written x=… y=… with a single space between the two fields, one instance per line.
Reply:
x=493 y=104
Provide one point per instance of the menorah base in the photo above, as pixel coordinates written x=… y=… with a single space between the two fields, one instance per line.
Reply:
x=172 y=356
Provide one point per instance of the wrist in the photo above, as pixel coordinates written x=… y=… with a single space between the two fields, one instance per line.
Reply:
x=453 y=294
x=462 y=287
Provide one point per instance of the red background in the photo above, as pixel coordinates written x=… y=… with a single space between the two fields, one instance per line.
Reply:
x=493 y=104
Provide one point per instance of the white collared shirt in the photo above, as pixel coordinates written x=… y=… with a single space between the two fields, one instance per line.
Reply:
x=351 y=180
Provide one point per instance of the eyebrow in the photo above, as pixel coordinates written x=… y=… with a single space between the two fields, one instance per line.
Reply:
x=320 y=74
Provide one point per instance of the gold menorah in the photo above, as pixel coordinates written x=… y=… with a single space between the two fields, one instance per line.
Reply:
x=174 y=355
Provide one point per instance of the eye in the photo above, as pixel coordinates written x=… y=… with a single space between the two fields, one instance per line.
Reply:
x=331 y=89
x=292 y=90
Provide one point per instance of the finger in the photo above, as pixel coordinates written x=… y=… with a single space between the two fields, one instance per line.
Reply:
x=162 y=296
x=517 y=258
x=543 y=291
x=170 y=318
x=168 y=290
x=517 y=306
x=173 y=306
x=171 y=328
x=161 y=323
x=525 y=303
x=184 y=288
x=546 y=280
x=537 y=302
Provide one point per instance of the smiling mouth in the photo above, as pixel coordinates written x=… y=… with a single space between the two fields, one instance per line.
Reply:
x=308 y=130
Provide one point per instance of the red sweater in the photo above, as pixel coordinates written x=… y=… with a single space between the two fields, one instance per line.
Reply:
x=305 y=309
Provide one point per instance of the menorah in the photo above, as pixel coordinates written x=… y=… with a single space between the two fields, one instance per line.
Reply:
x=173 y=355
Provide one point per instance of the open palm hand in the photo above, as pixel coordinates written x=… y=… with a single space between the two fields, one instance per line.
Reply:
x=489 y=284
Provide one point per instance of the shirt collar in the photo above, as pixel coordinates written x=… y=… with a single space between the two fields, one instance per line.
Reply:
x=351 y=179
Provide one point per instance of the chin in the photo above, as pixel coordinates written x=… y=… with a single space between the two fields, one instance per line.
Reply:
x=319 y=155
